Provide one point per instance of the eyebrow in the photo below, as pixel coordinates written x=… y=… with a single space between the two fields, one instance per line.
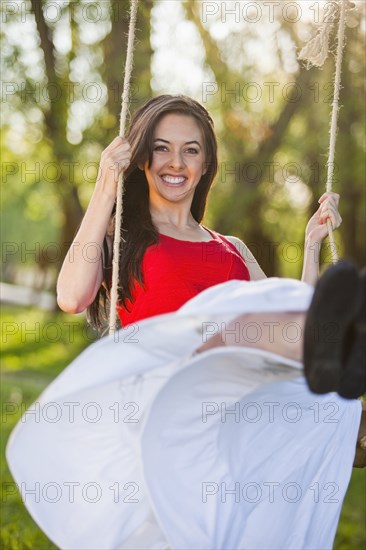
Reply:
x=186 y=143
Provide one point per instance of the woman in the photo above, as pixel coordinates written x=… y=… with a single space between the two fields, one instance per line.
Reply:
x=170 y=162
x=161 y=435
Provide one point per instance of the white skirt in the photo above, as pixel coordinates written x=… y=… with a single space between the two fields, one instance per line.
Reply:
x=141 y=444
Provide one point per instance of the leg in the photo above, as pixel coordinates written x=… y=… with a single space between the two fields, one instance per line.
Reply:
x=335 y=331
x=331 y=341
x=280 y=333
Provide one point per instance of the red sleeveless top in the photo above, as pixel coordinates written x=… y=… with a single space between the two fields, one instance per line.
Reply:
x=175 y=271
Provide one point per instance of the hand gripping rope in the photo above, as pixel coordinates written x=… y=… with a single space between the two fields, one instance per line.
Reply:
x=119 y=202
x=315 y=53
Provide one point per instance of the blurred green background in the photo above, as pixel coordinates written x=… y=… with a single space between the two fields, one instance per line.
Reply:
x=62 y=71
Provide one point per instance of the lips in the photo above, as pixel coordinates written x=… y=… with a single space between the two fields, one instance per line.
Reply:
x=173 y=180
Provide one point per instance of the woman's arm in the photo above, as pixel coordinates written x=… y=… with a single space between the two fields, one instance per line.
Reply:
x=253 y=266
x=82 y=272
x=316 y=231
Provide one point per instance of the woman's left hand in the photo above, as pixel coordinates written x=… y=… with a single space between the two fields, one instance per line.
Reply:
x=316 y=229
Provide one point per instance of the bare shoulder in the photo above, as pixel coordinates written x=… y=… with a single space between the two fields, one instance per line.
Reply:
x=255 y=271
x=241 y=247
x=236 y=241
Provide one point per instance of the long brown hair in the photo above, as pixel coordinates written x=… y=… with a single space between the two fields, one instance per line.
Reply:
x=138 y=230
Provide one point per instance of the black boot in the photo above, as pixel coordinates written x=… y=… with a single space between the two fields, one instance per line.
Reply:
x=353 y=375
x=333 y=311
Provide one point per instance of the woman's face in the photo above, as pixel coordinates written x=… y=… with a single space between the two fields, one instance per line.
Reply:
x=178 y=160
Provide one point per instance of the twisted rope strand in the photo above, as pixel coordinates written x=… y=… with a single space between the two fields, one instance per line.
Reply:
x=334 y=119
x=315 y=53
x=119 y=202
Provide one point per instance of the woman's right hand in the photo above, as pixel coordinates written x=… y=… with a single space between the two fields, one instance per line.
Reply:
x=114 y=160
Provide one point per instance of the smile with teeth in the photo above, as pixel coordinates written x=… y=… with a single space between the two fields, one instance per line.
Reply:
x=173 y=180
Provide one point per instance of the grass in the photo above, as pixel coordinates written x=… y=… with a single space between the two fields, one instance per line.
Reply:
x=36 y=347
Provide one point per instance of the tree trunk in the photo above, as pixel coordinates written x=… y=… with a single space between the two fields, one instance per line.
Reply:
x=56 y=113
x=245 y=198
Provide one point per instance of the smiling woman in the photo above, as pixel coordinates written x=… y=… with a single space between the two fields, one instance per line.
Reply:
x=178 y=162
x=169 y=160
x=186 y=356
x=179 y=128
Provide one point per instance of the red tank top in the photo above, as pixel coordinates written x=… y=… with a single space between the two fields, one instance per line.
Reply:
x=175 y=271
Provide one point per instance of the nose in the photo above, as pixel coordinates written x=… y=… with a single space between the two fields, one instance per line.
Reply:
x=176 y=161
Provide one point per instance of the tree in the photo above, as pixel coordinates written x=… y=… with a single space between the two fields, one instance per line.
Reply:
x=71 y=74
x=253 y=193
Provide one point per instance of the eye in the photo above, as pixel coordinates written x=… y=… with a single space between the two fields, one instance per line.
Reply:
x=192 y=151
x=160 y=148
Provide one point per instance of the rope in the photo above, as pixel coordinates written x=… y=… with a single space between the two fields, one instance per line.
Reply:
x=315 y=53
x=334 y=120
x=119 y=203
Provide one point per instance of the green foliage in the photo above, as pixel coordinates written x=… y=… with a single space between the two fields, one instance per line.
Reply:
x=63 y=99
x=268 y=212
x=273 y=119
x=351 y=533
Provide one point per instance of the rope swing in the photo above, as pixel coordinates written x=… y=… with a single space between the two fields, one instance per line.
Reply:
x=315 y=53
x=120 y=187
